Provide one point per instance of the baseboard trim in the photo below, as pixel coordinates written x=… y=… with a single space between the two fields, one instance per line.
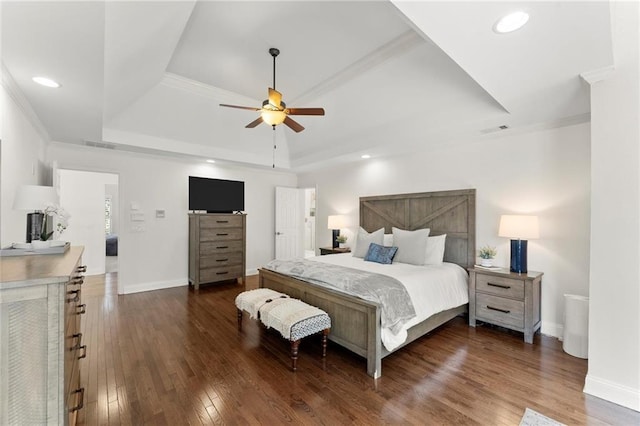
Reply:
x=552 y=329
x=252 y=271
x=156 y=285
x=613 y=392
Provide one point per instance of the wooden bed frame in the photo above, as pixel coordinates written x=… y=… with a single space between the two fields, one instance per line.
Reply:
x=356 y=322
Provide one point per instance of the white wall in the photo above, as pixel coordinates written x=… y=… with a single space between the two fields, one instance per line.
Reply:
x=156 y=257
x=544 y=173
x=22 y=154
x=614 y=317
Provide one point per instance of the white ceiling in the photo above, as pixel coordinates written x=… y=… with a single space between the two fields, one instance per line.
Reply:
x=392 y=76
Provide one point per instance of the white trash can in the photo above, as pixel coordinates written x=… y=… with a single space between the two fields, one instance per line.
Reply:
x=576 y=325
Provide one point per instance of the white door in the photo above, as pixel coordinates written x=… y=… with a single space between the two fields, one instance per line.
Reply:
x=289 y=220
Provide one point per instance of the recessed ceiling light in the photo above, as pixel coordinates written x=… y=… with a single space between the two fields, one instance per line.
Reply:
x=511 y=22
x=211 y=161
x=46 y=82
x=365 y=156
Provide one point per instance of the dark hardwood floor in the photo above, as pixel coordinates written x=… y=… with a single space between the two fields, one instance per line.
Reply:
x=174 y=357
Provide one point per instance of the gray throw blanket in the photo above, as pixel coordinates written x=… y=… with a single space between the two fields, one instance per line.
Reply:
x=396 y=305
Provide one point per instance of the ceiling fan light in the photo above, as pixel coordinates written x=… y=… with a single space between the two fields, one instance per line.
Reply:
x=273 y=117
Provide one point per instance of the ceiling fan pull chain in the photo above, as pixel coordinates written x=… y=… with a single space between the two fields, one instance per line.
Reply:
x=273 y=165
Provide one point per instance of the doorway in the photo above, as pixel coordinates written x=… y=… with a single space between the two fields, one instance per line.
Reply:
x=91 y=199
x=295 y=222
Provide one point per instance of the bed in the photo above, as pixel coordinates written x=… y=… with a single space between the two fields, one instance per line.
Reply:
x=356 y=322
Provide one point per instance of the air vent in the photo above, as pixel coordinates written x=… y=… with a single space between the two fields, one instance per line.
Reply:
x=102 y=145
x=494 y=129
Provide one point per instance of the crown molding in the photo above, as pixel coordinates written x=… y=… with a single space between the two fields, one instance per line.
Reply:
x=202 y=89
x=11 y=87
x=597 y=75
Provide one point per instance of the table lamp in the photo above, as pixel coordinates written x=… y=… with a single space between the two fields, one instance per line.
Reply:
x=35 y=198
x=335 y=223
x=519 y=228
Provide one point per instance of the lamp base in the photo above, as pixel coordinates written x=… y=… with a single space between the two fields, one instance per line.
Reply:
x=336 y=232
x=519 y=256
x=34 y=226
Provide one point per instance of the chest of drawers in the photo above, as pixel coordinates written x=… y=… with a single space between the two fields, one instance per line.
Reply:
x=506 y=299
x=40 y=341
x=217 y=248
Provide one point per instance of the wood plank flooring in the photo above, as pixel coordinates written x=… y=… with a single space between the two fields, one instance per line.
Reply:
x=175 y=357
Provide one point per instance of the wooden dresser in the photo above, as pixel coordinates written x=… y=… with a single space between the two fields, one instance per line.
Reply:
x=507 y=299
x=40 y=340
x=217 y=248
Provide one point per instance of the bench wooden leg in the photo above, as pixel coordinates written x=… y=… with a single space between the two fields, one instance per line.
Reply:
x=294 y=354
x=239 y=319
x=325 y=333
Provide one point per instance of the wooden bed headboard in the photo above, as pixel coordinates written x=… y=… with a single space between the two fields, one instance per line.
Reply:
x=444 y=212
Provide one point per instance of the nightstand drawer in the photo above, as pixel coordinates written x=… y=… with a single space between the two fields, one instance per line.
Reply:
x=505 y=287
x=500 y=311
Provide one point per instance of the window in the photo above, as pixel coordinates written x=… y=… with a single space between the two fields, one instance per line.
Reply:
x=107 y=215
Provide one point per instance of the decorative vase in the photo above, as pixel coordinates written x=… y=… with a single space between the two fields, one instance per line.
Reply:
x=342 y=245
x=486 y=262
x=39 y=244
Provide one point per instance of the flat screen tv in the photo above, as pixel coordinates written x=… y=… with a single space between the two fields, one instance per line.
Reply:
x=216 y=195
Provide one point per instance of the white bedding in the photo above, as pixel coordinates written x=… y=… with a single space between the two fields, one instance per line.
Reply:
x=432 y=288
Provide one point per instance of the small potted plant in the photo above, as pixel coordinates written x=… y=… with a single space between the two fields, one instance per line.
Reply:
x=487 y=253
x=342 y=239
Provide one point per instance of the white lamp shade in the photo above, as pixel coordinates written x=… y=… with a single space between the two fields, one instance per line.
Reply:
x=519 y=227
x=34 y=197
x=336 y=222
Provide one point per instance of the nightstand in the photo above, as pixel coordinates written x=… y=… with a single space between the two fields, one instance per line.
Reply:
x=331 y=250
x=507 y=299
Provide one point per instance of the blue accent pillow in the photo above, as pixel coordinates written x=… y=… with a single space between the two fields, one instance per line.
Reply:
x=380 y=254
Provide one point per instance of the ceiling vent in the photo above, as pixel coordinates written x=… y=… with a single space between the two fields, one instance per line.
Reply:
x=102 y=145
x=494 y=129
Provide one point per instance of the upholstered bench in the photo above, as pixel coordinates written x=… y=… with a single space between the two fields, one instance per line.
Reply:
x=293 y=318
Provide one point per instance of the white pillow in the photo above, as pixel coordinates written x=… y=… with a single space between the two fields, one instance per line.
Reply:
x=364 y=239
x=388 y=240
x=435 y=250
x=412 y=245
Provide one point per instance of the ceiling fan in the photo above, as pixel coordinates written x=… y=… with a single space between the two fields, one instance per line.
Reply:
x=274 y=111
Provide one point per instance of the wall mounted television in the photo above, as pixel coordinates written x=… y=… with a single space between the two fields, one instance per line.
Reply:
x=216 y=195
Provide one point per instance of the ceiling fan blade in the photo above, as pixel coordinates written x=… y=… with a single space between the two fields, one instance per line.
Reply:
x=254 y=123
x=293 y=125
x=240 y=107
x=275 y=98
x=305 y=111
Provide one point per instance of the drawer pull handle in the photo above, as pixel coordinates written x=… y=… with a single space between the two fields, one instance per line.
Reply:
x=222 y=273
x=76 y=296
x=499 y=285
x=77 y=336
x=82 y=268
x=504 y=311
x=222 y=235
x=221 y=260
x=83 y=309
x=222 y=221
x=81 y=400
x=78 y=280
x=222 y=247
x=84 y=351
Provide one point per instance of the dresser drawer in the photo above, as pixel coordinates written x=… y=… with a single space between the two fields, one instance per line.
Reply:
x=221 y=260
x=226 y=234
x=505 y=287
x=230 y=221
x=220 y=274
x=500 y=311
x=213 y=248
